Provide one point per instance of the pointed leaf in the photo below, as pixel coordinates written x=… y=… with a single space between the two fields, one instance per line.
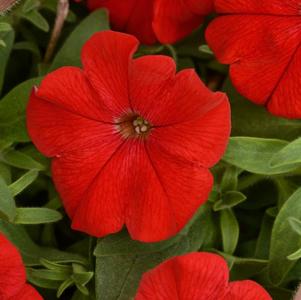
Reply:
x=7 y=202
x=285 y=240
x=36 y=215
x=23 y=182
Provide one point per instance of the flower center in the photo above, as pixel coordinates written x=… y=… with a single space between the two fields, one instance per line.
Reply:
x=140 y=125
x=133 y=125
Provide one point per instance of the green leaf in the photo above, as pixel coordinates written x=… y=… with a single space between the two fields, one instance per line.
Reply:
x=29 y=46
x=229 y=179
x=56 y=275
x=30 y=5
x=66 y=284
x=205 y=49
x=7 y=202
x=228 y=200
x=55 y=266
x=242 y=267
x=272 y=211
x=5 y=27
x=5 y=172
x=23 y=182
x=2 y=44
x=7 y=35
x=36 y=19
x=264 y=239
x=118 y=275
x=82 y=289
x=285 y=241
x=230 y=230
x=120 y=244
x=285 y=187
x=69 y=54
x=41 y=282
x=32 y=253
x=12 y=112
x=36 y=215
x=20 y=160
x=249 y=119
x=289 y=155
x=295 y=256
x=82 y=278
x=295 y=224
x=253 y=155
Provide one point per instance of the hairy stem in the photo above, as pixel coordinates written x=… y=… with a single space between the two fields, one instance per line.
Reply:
x=62 y=12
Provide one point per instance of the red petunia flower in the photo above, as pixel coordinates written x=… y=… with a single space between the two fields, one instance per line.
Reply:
x=196 y=276
x=131 y=140
x=12 y=274
x=173 y=20
x=131 y=16
x=261 y=39
x=149 y=20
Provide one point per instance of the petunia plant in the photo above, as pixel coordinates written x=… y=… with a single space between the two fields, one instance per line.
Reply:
x=132 y=163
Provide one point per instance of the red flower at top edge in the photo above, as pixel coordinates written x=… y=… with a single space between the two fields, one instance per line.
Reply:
x=131 y=140
x=173 y=20
x=149 y=20
x=196 y=276
x=261 y=41
x=12 y=274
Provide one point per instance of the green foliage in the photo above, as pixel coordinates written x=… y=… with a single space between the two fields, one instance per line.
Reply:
x=69 y=54
x=12 y=112
x=252 y=217
x=285 y=241
x=7 y=202
x=230 y=230
x=7 y=36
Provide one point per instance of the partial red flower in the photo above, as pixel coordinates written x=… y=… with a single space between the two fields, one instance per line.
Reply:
x=149 y=20
x=12 y=274
x=196 y=276
x=173 y=20
x=131 y=140
x=261 y=42
x=131 y=16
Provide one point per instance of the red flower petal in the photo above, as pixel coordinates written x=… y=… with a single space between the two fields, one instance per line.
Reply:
x=69 y=89
x=125 y=190
x=203 y=140
x=151 y=78
x=140 y=22
x=156 y=200
x=287 y=95
x=132 y=16
x=106 y=57
x=27 y=293
x=63 y=130
x=195 y=276
x=75 y=173
x=168 y=193
x=12 y=271
x=164 y=98
x=271 y=33
x=173 y=20
x=253 y=69
x=204 y=7
x=119 y=11
x=102 y=208
x=274 y=7
x=246 y=290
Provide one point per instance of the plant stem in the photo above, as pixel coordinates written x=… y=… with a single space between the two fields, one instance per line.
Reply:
x=62 y=12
